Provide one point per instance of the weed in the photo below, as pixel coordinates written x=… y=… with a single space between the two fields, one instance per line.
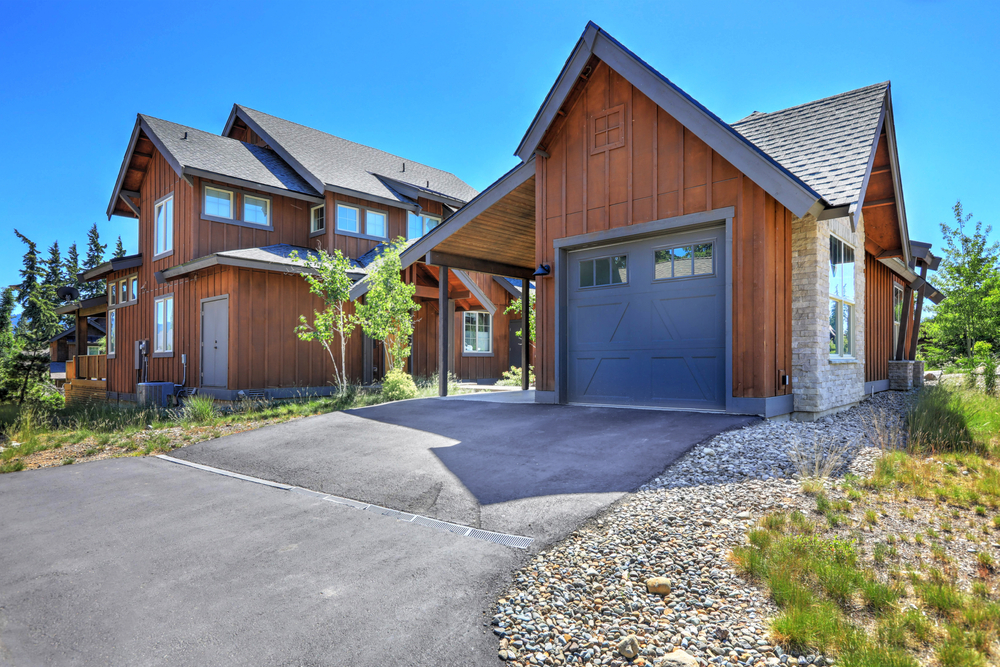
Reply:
x=199 y=408
x=774 y=521
x=918 y=538
x=871 y=517
x=879 y=552
x=68 y=461
x=942 y=597
x=816 y=628
x=12 y=466
x=878 y=596
x=939 y=554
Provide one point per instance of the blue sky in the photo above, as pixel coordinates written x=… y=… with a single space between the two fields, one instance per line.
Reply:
x=454 y=85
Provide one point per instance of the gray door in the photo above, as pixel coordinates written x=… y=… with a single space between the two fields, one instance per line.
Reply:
x=215 y=342
x=646 y=322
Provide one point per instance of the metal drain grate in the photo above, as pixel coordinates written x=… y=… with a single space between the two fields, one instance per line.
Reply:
x=501 y=538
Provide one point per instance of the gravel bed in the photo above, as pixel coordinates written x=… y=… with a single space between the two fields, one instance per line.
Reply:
x=582 y=601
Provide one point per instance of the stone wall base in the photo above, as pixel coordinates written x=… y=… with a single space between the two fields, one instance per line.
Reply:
x=918 y=373
x=901 y=375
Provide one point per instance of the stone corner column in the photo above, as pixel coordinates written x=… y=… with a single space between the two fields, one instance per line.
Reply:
x=918 y=373
x=901 y=375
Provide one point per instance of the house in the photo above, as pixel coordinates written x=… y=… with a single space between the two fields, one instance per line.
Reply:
x=213 y=296
x=63 y=347
x=763 y=267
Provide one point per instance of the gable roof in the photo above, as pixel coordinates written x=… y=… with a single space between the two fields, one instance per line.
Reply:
x=92 y=323
x=277 y=257
x=194 y=152
x=331 y=163
x=769 y=174
x=828 y=143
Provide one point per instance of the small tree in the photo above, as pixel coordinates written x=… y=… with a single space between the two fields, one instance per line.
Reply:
x=515 y=309
x=119 y=249
x=94 y=258
x=72 y=266
x=387 y=311
x=332 y=284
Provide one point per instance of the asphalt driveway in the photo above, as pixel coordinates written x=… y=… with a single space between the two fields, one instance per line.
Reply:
x=142 y=562
x=520 y=468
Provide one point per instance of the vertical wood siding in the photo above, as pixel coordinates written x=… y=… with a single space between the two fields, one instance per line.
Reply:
x=879 y=282
x=663 y=170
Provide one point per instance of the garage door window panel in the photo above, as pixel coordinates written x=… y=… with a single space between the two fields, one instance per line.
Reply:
x=604 y=271
x=685 y=261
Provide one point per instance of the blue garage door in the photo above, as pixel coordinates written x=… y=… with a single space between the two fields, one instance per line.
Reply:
x=647 y=322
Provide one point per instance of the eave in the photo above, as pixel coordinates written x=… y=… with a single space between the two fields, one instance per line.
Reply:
x=116 y=264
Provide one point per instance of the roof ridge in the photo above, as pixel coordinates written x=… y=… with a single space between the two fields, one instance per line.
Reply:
x=759 y=114
x=207 y=133
x=355 y=143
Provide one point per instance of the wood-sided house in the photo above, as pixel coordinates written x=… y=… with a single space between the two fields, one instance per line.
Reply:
x=212 y=297
x=763 y=267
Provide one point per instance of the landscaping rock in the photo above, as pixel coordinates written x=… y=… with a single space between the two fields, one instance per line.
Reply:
x=677 y=658
x=658 y=585
x=629 y=647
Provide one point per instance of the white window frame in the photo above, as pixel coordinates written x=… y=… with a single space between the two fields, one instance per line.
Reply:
x=163 y=345
x=842 y=301
x=163 y=241
x=204 y=203
x=313 y=227
x=385 y=222
x=267 y=210
x=112 y=333
x=131 y=287
x=357 y=219
x=424 y=219
x=489 y=322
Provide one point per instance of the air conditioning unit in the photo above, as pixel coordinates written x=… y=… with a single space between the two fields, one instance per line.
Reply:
x=155 y=393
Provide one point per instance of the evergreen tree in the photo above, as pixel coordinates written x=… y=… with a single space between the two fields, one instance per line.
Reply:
x=969 y=276
x=31 y=271
x=72 y=266
x=30 y=363
x=119 y=249
x=95 y=257
x=9 y=347
x=54 y=275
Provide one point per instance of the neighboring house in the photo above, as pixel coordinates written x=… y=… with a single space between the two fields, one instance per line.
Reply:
x=63 y=347
x=763 y=268
x=213 y=296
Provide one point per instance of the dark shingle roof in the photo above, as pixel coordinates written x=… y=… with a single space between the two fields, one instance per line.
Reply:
x=826 y=143
x=343 y=163
x=226 y=157
x=281 y=253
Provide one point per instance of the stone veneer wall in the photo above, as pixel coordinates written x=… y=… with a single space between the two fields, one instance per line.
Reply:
x=821 y=385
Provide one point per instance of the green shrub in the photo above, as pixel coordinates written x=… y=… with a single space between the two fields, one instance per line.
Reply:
x=199 y=408
x=990 y=375
x=939 y=422
x=512 y=378
x=398 y=386
x=806 y=629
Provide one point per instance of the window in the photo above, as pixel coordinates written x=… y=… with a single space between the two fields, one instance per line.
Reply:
x=418 y=225
x=123 y=291
x=347 y=218
x=112 y=293
x=375 y=223
x=684 y=261
x=112 y=331
x=218 y=203
x=317 y=219
x=164 y=216
x=897 y=315
x=478 y=332
x=163 y=332
x=93 y=349
x=604 y=271
x=135 y=287
x=608 y=130
x=841 y=298
x=256 y=210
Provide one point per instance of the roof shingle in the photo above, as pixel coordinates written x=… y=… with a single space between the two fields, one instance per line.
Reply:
x=826 y=143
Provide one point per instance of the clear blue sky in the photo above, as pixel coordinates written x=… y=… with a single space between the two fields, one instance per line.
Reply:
x=454 y=85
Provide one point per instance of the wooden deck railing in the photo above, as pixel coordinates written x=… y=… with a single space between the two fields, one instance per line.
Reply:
x=89 y=367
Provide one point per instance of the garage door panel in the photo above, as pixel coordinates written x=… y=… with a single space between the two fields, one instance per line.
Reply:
x=656 y=340
x=687 y=319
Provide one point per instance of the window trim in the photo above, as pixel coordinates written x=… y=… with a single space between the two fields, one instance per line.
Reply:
x=156 y=300
x=337 y=205
x=312 y=211
x=839 y=355
x=423 y=223
x=628 y=271
x=592 y=125
x=114 y=303
x=173 y=232
x=715 y=265
x=237 y=199
x=267 y=213
x=111 y=336
x=384 y=214
x=466 y=353
x=362 y=221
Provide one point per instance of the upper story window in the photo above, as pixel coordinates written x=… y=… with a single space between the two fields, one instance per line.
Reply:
x=218 y=202
x=123 y=291
x=841 y=298
x=163 y=330
x=257 y=210
x=375 y=223
x=348 y=218
x=317 y=219
x=418 y=225
x=163 y=215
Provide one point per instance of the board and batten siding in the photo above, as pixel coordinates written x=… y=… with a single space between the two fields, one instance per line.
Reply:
x=663 y=170
x=879 y=282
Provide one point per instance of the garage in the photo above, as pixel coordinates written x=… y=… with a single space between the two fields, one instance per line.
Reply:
x=646 y=322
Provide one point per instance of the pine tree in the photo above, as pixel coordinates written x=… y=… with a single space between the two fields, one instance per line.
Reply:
x=31 y=271
x=72 y=266
x=9 y=347
x=119 y=249
x=95 y=257
x=54 y=275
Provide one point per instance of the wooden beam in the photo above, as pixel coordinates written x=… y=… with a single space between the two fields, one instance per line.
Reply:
x=479 y=265
x=881 y=170
x=879 y=202
x=428 y=292
x=525 y=317
x=898 y=252
x=904 y=324
x=128 y=202
x=443 y=325
x=920 y=308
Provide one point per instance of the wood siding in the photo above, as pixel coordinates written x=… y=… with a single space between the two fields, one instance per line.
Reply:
x=879 y=281
x=491 y=367
x=663 y=170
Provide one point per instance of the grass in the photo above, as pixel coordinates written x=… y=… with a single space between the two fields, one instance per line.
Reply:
x=135 y=429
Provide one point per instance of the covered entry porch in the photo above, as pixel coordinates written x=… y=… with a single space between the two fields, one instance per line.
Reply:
x=86 y=374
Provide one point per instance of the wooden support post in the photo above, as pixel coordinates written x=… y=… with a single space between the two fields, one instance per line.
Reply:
x=525 y=338
x=81 y=334
x=920 y=307
x=904 y=324
x=444 y=322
